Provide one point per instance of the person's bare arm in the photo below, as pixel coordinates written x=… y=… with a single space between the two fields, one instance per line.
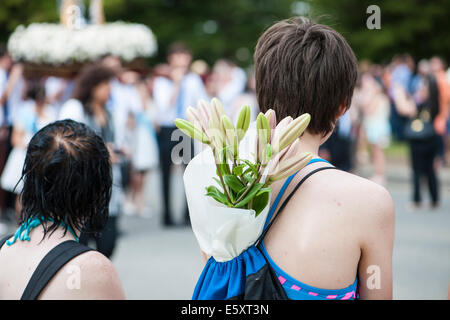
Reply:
x=404 y=104
x=15 y=74
x=17 y=137
x=204 y=257
x=375 y=266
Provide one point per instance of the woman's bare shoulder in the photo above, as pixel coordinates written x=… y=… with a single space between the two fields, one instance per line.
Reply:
x=88 y=276
x=369 y=199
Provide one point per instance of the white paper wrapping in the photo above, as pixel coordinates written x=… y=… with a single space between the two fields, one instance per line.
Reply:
x=221 y=232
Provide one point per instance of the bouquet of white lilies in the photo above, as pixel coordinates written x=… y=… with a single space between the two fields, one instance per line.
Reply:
x=243 y=164
x=245 y=183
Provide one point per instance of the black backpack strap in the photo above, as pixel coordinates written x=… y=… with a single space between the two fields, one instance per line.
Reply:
x=50 y=265
x=261 y=237
x=3 y=240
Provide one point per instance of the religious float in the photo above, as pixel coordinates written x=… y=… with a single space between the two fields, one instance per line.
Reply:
x=61 y=50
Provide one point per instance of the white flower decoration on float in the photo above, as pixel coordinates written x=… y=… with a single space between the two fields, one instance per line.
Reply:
x=54 y=44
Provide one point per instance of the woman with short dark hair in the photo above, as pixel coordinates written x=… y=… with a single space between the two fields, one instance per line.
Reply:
x=334 y=237
x=329 y=234
x=66 y=187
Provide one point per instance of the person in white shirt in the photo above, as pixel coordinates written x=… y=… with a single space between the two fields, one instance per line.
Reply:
x=58 y=91
x=5 y=130
x=172 y=95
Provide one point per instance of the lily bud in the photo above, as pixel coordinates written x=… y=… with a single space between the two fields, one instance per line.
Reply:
x=230 y=134
x=262 y=125
x=289 y=166
x=217 y=111
x=292 y=131
x=284 y=154
x=217 y=105
x=243 y=121
x=279 y=129
x=191 y=130
x=193 y=116
x=293 y=149
x=203 y=112
x=263 y=139
x=272 y=118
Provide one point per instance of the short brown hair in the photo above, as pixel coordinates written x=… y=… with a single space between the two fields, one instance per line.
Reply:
x=301 y=66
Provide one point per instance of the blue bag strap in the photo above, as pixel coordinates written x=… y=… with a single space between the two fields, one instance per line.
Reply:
x=277 y=199
x=283 y=189
x=263 y=234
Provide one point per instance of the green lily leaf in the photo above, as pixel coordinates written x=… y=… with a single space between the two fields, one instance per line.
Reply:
x=260 y=201
x=263 y=190
x=224 y=168
x=248 y=177
x=238 y=169
x=249 y=195
x=217 y=195
x=253 y=167
x=233 y=182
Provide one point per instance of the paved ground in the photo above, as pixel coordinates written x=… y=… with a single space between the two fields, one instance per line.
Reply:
x=157 y=263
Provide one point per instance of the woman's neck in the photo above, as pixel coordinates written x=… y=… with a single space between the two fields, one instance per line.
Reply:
x=60 y=232
x=310 y=143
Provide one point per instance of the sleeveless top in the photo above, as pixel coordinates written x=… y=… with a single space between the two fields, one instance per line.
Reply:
x=295 y=289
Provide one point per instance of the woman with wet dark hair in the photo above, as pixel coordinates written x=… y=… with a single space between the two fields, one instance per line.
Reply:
x=66 y=186
x=92 y=92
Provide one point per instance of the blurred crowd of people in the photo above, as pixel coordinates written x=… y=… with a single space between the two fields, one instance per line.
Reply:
x=401 y=101
x=134 y=112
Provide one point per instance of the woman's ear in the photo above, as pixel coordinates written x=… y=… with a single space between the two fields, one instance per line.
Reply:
x=342 y=110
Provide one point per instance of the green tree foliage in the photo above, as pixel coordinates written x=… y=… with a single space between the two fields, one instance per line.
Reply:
x=212 y=29
x=17 y=12
x=230 y=28
x=418 y=27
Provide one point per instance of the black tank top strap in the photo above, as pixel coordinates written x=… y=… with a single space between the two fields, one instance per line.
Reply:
x=3 y=240
x=289 y=198
x=50 y=265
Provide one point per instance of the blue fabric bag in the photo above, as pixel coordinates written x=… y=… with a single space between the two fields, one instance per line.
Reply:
x=248 y=276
